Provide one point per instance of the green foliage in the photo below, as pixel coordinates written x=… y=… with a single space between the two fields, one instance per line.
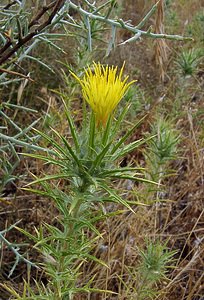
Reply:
x=26 y=28
x=9 y=158
x=21 y=28
x=89 y=161
x=87 y=164
x=162 y=148
x=136 y=97
x=188 y=61
x=63 y=250
x=172 y=19
x=86 y=161
x=155 y=261
x=195 y=28
x=14 y=248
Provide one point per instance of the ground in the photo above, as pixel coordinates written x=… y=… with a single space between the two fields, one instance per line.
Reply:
x=182 y=220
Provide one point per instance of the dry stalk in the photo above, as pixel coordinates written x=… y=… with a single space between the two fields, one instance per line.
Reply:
x=160 y=46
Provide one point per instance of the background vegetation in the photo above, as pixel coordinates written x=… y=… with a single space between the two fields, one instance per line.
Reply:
x=148 y=242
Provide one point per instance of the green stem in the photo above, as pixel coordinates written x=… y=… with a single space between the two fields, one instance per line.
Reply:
x=124 y=25
x=69 y=232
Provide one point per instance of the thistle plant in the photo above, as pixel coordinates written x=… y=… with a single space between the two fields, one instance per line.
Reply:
x=155 y=261
x=86 y=169
x=189 y=60
x=162 y=149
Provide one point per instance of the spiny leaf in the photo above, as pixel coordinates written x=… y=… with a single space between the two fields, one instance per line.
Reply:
x=126 y=136
x=115 y=197
x=50 y=177
x=72 y=126
x=71 y=152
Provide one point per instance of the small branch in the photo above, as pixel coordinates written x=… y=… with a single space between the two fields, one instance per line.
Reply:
x=14 y=248
x=7 y=45
x=24 y=144
x=148 y=15
x=134 y=29
x=9 y=5
x=57 y=7
x=21 y=42
x=15 y=73
x=89 y=41
x=6 y=53
x=40 y=14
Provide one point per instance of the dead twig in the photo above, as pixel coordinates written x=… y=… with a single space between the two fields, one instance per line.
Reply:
x=10 y=4
x=5 y=55
x=15 y=73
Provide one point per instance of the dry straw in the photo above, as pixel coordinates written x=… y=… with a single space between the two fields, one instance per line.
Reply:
x=161 y=47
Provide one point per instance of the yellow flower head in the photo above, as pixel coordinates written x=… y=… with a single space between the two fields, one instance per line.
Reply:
x=103 y=89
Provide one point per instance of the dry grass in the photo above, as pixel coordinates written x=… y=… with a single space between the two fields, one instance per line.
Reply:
x=182 y=223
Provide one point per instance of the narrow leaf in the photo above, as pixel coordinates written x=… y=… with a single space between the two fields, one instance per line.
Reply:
x=92 y=128
x=53 y=143
x=47 y=159
x=71 y=152
x=72 y=126
x=106 y=134
x=116 y=197
x=126 y=136
x=98 y=261
x=51 y=177
x=120 y=170
x=100 y=157
x=130 y=147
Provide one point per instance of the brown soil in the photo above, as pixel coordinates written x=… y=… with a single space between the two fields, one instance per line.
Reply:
x=182 y=222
